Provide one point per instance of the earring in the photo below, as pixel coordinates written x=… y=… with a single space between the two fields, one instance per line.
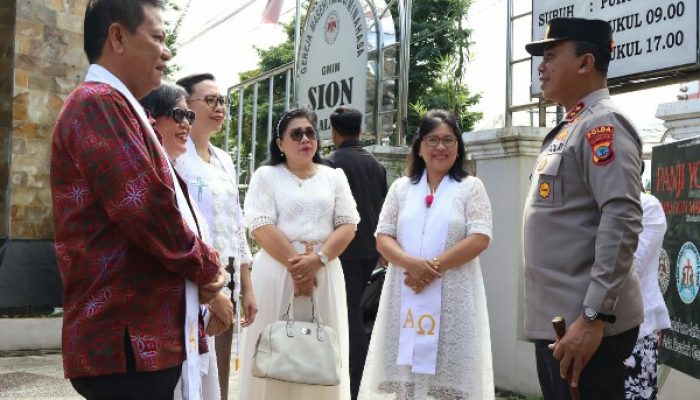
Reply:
x=282 y=154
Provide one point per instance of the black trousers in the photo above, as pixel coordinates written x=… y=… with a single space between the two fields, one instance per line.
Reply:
x=602 y=379
x=132 y=385
x=357 y=273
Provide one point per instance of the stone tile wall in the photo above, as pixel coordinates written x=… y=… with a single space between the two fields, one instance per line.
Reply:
x=7 y=28
x=48 y=63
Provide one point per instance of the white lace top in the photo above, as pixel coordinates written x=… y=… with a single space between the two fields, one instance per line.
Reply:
x=213 y=186
x=464 y=367
x=304 y=210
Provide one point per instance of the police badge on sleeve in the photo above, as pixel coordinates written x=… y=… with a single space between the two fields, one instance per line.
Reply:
x=601 y=141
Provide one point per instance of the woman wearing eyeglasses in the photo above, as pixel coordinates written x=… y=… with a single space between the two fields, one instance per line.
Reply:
x=172 y=119
x=431 y=336
x=303 y=215
x=212 y=182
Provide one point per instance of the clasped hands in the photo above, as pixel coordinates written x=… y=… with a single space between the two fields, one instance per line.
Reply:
x=303 y=269
x=222 y=315
x=419 y=273
x=220 y=306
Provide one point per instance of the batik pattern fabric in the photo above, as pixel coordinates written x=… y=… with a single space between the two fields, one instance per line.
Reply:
x=122 y=246
x=641 y=380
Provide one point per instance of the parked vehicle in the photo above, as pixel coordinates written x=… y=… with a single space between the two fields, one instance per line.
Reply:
x=370 y=298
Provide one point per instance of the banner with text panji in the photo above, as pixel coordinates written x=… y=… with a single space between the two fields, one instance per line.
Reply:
x=649 y=35
x=332 y=64
x=676 y=183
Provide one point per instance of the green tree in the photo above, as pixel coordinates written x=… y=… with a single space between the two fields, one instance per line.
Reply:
x=447 y=93
x=439 y=53
x=269 y=59
x=172 y=31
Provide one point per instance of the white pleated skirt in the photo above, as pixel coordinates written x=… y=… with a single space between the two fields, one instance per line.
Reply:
x=273 y=288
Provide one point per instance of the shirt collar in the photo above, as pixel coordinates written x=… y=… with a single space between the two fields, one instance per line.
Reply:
x=349 y=143
x=595 y=96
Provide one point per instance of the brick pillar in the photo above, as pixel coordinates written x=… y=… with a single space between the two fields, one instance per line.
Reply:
x=7 y=27
x=49 y=63
x=41 y=42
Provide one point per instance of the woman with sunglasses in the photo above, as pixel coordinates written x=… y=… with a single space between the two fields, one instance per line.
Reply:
x=212 y=181
x=172 y=119
x=431 y=336
x=303 y=215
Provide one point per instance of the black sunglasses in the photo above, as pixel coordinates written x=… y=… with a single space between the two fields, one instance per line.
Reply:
x=179 y=114
x=297 y=133
x=212 y=100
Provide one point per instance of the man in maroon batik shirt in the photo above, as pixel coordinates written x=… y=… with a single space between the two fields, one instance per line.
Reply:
x=123 y=248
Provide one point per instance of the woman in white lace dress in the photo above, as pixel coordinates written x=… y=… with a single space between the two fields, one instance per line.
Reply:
x=431 y=337
x=211 y=179
x=303 y=215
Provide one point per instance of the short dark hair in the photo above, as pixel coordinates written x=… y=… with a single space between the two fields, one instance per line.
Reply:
x=601 y=55
x=162 y=99
x=347 y=121
x=276 y=156
x=101 y=14
x=433 y=118
x=190 y=81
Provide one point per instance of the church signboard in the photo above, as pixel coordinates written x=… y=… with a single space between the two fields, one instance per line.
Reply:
x=650 y=36
x=332 y=61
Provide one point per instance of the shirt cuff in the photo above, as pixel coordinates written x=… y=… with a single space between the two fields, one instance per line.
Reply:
x=599 y=299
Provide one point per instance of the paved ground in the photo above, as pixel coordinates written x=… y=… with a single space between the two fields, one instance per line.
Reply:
x=38 y=375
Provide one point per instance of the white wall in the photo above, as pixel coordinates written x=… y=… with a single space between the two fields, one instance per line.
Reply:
x=506 y=181
x=504 y=159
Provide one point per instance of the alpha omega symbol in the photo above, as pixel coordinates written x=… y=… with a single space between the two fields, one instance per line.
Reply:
x=430 y=324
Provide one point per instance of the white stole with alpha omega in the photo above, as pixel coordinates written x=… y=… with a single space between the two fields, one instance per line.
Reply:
x=190 y=369
x=423 y=233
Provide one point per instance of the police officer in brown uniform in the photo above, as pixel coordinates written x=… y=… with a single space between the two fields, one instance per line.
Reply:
x=581 y=220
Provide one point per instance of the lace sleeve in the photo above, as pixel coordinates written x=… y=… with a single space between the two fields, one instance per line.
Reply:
x=243 y=248
x=260 y=207
x=389 y=216
x=345 y=206
x=478 y=209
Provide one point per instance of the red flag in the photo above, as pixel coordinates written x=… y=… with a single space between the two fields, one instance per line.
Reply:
x=272 y=12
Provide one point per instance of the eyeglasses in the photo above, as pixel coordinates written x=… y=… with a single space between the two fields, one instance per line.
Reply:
x=297 y=133
x=212 y=100
x=434 y=141
x=179 y=114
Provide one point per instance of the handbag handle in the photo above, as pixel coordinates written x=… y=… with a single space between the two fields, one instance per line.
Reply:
x=315 y=317
x=289 y=314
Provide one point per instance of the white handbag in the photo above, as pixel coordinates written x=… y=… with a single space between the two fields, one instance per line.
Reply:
x=299 y=352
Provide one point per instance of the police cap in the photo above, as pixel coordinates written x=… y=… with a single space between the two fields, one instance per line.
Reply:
x=594 y=31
